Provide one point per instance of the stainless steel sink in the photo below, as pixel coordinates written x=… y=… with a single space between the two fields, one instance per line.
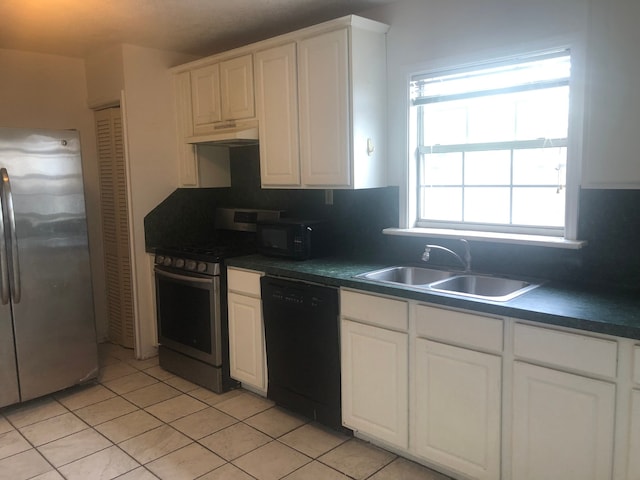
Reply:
x=407 y=275
x=484 y=286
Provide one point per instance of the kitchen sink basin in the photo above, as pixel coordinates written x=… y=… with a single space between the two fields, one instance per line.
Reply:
x=407 y=275
x=484 y=286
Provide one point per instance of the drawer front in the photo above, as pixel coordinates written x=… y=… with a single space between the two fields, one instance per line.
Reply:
x=636 y=364
x=244 y=281
x=459 y=328
x=582 y=353
x=384 y=312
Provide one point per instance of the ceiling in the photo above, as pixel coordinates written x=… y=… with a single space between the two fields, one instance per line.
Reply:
x=199 y=27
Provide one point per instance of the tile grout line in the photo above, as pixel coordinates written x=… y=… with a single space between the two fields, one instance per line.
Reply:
x=238 y=420
x=276 y=439
x=188 y=390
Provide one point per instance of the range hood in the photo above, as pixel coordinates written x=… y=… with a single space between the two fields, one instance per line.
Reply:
x=228 y=135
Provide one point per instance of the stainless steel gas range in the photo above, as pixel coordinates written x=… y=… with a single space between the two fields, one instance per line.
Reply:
x=191 y=299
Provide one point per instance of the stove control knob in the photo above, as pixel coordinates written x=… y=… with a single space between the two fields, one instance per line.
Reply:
x=190 y=265
x=159 y=259
x=166 y=261
x=202 y=267
x=179 y=262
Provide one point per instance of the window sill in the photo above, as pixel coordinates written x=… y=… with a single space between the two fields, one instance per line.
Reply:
x=511 y=238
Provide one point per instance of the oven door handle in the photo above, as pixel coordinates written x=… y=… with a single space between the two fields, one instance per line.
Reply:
x=184 y=278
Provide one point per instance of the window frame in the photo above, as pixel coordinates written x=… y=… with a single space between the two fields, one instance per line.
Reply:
x=532 y=235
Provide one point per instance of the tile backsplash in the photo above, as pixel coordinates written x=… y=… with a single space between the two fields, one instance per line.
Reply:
x=358 y=216
x=609 y=222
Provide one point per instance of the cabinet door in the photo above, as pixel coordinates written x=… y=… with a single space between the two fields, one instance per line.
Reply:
x=634 y=439
x=323 y=73
x=375 y=382
x=188 y=165
x=277 y=104
x=457 y=408
x=246 y=341
x=610 y=157
x=562 y=425
x=236 y=87
x=205 y=97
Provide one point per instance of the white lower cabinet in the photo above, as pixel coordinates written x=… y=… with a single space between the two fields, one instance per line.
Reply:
x=375 y=381
x=563 y=425
x=247 y=356
x=633 y=450
x=246 y=340
x=633 y=472
x=457 y=408
x=488 y=398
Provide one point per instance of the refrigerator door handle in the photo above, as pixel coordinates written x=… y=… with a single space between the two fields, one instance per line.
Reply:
x=7 y=202
x=4 y=267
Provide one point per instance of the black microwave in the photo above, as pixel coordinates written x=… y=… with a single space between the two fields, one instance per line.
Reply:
x=291 y=238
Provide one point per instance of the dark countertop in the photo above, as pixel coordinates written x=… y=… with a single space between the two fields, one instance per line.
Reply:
x=596 y=310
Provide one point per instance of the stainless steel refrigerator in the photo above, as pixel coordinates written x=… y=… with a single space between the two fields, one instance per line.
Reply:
x=47 y=327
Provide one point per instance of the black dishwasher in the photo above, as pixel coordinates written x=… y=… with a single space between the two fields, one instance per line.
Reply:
x=303 y=348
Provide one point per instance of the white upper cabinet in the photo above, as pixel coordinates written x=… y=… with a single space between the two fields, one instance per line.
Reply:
x=186 y=154
x=613 y=68
x=323 y=72
x=319 y=96
x=277 y=105
x=205 y=96
x=325 y=91
x=222 y=92
x=236 y=88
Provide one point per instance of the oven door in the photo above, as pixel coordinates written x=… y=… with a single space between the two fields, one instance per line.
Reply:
x=188 y=314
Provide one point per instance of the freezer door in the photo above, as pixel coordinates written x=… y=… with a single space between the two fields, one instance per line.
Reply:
x=8 y=373
x=52 y=304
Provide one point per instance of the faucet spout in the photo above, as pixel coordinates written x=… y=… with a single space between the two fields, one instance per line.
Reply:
x=465 y=260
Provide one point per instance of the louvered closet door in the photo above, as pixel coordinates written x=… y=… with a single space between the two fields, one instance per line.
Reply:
x=113 y=201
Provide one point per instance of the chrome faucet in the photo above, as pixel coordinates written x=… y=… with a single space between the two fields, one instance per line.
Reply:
x=465 y=261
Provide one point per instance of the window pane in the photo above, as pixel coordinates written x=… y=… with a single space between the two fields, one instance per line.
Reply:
x=487 y=168
x=441 y=203
x=441 y=169
x=445 y=124
x=491 y=119
x=533 y=119
x=486 y=205
x=540 y=166
x=538 y=207
x=498 y=134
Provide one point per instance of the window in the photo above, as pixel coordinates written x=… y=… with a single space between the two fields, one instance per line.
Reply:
x=492 y=145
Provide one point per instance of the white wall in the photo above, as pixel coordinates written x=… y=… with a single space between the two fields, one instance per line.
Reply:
x=48 y=91
x=443 y=33
x=140 y=76
x=153 y=167
x=105 y=77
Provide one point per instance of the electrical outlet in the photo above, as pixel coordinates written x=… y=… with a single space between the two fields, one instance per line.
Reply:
x=328 y=197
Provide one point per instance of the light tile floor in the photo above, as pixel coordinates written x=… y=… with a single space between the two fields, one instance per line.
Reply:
x=139 y=422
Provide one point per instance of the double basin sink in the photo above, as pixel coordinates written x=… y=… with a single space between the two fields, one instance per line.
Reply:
x=466 y=284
